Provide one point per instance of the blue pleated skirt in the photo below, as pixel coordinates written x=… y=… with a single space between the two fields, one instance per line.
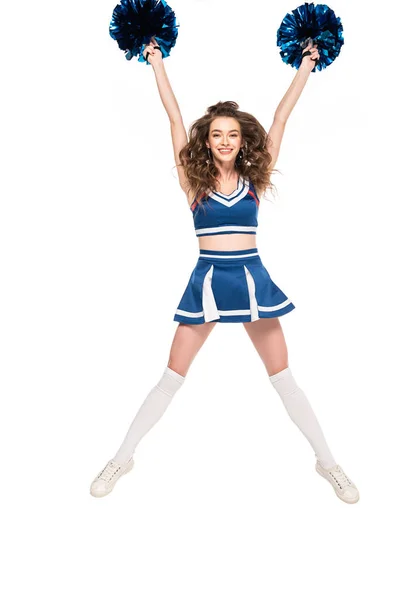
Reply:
x=231 y=286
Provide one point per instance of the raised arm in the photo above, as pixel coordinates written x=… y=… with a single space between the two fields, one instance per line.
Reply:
x=288 y=102
x=178 y=131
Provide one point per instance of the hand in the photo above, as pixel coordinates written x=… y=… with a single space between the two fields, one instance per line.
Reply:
x=155 y=55
x=308 y=62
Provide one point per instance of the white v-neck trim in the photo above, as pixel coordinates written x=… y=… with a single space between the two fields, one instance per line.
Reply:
x=240 y=192
x=232 y=193
x=231 y=199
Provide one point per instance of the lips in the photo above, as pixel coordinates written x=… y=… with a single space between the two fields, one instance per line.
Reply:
x=227 y=151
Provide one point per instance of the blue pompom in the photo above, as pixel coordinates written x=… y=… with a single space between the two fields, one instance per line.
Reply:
x=317 y=22
x=135 y=22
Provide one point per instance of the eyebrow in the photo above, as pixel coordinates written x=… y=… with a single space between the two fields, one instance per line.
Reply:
x=221 y=130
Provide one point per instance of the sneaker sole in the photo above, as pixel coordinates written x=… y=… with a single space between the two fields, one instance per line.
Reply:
x=348 y=501
x=100 y=494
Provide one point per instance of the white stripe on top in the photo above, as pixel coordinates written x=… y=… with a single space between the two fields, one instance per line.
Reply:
x=249 y=228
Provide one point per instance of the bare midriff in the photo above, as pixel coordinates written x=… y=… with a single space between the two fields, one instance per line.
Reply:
x=228 y=241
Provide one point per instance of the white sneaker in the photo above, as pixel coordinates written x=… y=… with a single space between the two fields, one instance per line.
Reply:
x=344 y=488
x=104 y=483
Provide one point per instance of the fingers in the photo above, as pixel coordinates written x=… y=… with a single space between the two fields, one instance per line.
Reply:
x=150 y=46
x=153 y=42
x=313 y=48
x=150 y=53
x=314 y=54
x=150 y=50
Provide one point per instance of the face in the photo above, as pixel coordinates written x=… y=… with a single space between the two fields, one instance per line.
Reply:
x=224 y=133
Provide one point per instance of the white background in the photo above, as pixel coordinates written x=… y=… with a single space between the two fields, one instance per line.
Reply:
x=97 y=245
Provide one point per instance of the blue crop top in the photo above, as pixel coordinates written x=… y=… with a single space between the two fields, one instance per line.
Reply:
x=219 y=213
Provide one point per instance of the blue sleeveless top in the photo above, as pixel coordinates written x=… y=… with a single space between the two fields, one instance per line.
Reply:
x=219 y=213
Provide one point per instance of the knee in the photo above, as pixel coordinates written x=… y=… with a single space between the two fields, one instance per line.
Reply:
x=277 y=368
x=177 y=368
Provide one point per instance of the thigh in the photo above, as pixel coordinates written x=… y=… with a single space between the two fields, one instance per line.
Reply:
x=269 y=341
x=188 y=340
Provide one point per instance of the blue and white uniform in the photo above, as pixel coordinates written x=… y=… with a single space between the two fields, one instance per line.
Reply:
x=229 y=286
x=236 y=213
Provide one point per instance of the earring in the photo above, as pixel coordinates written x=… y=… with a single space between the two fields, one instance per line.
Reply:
x=241 y=152
x=209 y=156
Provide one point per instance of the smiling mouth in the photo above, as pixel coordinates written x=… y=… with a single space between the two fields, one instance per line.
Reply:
x=227 y=151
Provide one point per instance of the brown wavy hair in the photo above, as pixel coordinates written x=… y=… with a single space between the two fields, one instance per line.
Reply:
x=254 y=165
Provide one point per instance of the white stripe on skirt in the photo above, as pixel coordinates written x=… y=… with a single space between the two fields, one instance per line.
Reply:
x=209 y=304
x=228 y=256
x=252 y=294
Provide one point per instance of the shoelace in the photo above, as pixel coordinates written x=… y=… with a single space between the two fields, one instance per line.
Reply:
x=109 y=471
x=340 y=477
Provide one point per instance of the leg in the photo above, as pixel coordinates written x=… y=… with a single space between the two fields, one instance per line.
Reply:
x=268 y=339
x=187 y=342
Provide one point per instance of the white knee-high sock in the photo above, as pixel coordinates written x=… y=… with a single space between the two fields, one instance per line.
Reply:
x=150 y=412
x=302 y=415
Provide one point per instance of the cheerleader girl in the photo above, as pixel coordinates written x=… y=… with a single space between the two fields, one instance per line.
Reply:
x=223 y=169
